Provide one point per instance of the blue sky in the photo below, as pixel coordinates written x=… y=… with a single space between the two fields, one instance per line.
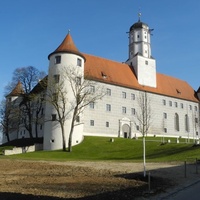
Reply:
x=32 y=29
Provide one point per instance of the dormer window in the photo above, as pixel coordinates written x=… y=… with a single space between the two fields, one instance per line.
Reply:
x=103 y=75
x=178 y=91
x=57 y=59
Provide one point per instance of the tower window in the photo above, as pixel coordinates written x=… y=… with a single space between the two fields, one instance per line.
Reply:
x=77 y=118
x=146 y=62
x=57 y=59
x=138 y=36
x=107 y=124
x=53 y=117
x=79 y=63
x=78 y=80
x=56 y=78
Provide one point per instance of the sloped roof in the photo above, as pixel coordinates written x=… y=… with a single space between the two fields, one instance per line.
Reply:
x=67 y=46
x=121 y=74
x=17 y=91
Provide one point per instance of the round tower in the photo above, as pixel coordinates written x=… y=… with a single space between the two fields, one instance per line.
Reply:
x=65 y=57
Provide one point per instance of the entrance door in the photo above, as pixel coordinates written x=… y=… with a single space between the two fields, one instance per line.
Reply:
x=126 y=130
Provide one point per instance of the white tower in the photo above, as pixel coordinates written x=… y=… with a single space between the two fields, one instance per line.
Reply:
x=140 y=54
x=65 y=56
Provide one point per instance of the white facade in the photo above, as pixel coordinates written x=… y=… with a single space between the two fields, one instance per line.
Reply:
x=121 y=121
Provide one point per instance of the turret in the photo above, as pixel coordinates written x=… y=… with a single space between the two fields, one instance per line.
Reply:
x=66 y=56
x=15 y=93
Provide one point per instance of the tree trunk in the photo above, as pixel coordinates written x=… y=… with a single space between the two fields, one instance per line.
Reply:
x=72 y=130
x=63 y=137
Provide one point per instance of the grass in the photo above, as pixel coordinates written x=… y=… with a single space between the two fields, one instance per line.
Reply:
x=100 y=148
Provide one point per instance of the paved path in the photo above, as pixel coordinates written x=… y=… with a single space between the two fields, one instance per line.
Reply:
x=190 y=193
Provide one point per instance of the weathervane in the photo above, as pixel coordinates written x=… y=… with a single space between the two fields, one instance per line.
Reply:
x=139 y=16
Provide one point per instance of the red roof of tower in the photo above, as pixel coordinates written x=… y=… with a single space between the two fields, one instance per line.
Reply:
x=67 y=46
x=18 y=90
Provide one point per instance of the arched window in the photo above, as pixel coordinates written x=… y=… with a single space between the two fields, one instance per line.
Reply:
x=186 y=123
x=176 y=120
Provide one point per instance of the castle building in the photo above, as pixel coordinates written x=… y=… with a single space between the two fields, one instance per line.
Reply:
x=174 y=103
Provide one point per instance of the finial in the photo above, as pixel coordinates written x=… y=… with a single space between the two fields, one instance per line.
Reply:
x=139 y=16
x=68 y=31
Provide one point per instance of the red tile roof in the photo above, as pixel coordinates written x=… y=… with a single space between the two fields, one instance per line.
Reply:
x=18 y=90
x=67 y=46
x=121 y=74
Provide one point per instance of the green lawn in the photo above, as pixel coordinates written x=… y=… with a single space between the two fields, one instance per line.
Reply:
x=100 y=148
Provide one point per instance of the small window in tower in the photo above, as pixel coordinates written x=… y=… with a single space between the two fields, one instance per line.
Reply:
x=138 y=36
x=57 y=59
x=79 y=63
x=56 y=78
x=146 y=62
x=53 y=117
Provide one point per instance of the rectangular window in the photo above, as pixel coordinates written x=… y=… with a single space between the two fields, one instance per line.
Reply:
x=164 y=102
x=146 y=62
x=107 y=124
x=190 y=107
x=57 y=59
x=41 y=127
x=165 y=115
x=108 y=107
x=91 y=122
x=53 y=117
x=79 y=63
x=132 y=96
x=132 y=111
x=176 y=104
x=165 y=130
x=182 y=105
x=124 y=95
x=56 y=78
x=78 y=80
x=77 y=118
x=170 y=103
x=91 y=105
x=124 y=110
x=108 y=92
x=92 y=89
x=195 y=108
x=55 y=97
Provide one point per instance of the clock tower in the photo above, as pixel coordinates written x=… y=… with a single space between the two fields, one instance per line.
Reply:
x=140 y=57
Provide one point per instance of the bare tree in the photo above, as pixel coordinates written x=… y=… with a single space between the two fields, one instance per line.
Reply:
x=29 y=78
x=9 y=116
x=144 y=115
x=70 y=102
